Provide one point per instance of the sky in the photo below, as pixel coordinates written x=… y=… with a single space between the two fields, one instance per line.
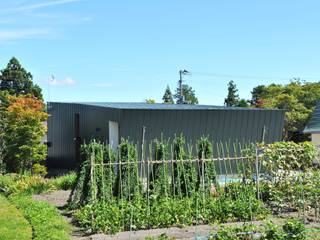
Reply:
x=128 y=51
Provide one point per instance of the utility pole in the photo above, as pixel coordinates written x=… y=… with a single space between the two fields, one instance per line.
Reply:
x=181 y=97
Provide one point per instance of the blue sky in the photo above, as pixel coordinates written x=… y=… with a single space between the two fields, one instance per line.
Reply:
x=119 y=50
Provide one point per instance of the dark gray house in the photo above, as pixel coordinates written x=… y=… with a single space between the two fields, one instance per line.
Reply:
x=70 y=124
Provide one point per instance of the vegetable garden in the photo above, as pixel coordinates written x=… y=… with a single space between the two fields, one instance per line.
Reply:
x=179 y=184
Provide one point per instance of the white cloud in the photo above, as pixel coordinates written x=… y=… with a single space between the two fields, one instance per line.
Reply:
x=35 y=6
x=16 y=34
x=63 y=82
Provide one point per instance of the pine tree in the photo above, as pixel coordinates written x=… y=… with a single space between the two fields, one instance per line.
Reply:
x=17 y=81
x=189 y=95
x=167 y=97
x=233 y=97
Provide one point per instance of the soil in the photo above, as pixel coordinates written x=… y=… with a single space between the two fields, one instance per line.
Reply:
x=60 y=198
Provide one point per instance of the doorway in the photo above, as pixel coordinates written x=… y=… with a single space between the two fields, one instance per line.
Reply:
x=113 y=135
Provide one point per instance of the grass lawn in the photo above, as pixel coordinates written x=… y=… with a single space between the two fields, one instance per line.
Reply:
x=12 y=223
x=45 y=219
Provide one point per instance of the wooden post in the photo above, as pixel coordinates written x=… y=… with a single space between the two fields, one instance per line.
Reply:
x=257 y=172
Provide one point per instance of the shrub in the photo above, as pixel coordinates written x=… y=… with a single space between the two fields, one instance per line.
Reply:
x=65 y=182
x=26 y=184
x=39 y=169
x=291 y=230
x=287 y=156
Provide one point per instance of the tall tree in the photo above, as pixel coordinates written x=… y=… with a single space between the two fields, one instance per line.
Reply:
x=167 y=97
x=25 y=129
x=233 y=97
x=17 y=81
x=3 y=124
x=189 y=96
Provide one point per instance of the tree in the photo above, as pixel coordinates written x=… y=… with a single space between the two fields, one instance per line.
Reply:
x=17 y=81
x=233 y=97
x=242 y=103
x=3 y=124
x=167 y=97
x=150 y=100
x=24 y=132
x=298 y=98
x=189 y=95
x=257 y=94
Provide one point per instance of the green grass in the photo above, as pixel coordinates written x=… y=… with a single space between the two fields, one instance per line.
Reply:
x=12 y=223
x=45 y=219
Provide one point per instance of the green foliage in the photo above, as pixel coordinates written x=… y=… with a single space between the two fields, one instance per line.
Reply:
x=242 y=103
x=65 y=182
x=17 y=81
x=34 y=184
x=128 y=184
x=167 y=97
x=39 y=169
x=120 y=215
x=12 y=223
x=185 y=174
x=24 y=184
x=150 y=100
x=23 y=133
x=160 y=179
x=233 y=97
x=291 y=230
x=207 y=170
x=294 y=230
x=298 y=98
x=46 y=222
x=287 y=156
x=96 y=177
x=189 y=95
x=235 y=233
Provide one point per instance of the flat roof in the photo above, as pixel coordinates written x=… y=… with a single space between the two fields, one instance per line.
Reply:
x=162 y=106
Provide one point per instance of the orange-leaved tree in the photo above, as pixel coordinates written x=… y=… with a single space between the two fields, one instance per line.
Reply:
x=26 y=127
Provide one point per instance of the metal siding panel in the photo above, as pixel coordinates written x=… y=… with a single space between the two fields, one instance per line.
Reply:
x=218 y=124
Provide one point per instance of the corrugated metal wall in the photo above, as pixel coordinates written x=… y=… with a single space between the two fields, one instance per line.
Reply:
x=225 y=125
x=220 y=125
x=61 y=130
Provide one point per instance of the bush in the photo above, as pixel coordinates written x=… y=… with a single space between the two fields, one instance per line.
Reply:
x=46 y=222
x=39 y=169
x=65 y=182
x=26 y=184
x=287 y=156
x=291 y=230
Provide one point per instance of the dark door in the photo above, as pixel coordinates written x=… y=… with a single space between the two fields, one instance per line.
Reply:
x=77 y=139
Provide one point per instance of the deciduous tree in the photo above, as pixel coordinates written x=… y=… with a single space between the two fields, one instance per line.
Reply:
x=24 y=132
